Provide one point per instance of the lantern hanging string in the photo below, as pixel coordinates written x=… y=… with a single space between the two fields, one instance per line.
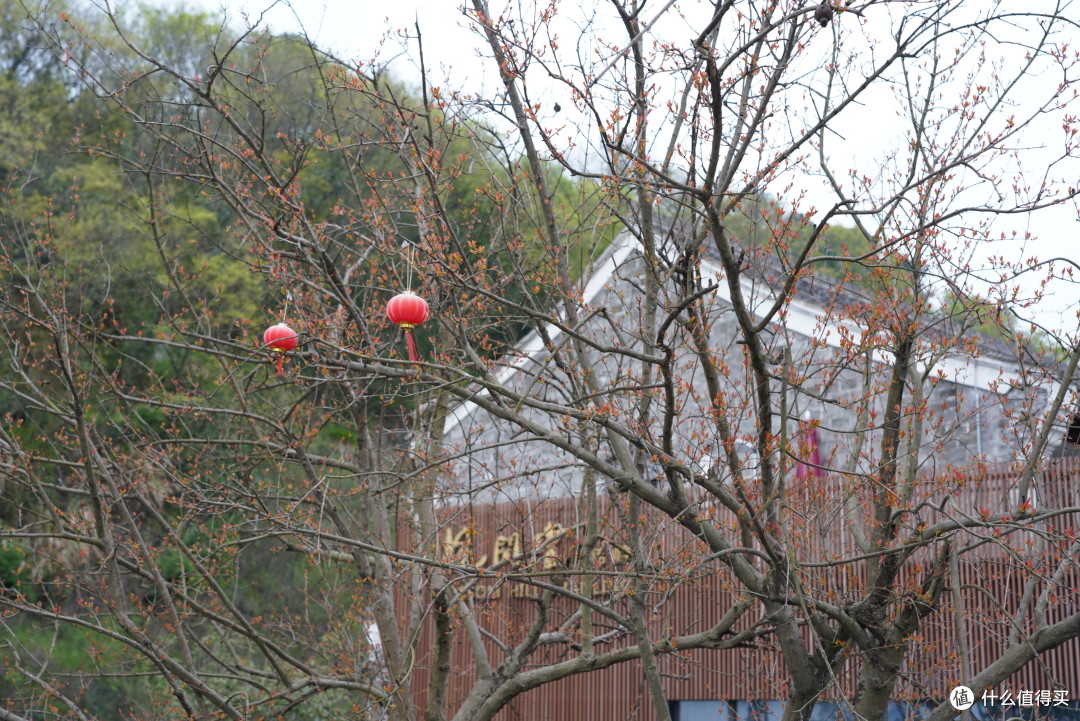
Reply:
x=285 y=310
x=408 y=265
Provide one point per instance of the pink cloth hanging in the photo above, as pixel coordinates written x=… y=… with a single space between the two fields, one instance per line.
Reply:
x=810 y=450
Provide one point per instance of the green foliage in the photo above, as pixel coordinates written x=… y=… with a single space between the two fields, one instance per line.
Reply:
x=841 y=241
x=13 y=568
x=764 y=223
x=978 y=314
x=71 y=652
x=32 y=88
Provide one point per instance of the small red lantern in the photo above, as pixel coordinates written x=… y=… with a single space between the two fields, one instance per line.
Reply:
x=408 y=310
x=281 y=339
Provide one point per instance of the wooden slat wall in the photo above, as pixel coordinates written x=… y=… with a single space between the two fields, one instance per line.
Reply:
x=697 y=597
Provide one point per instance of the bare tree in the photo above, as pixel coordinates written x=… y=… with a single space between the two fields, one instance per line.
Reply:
x=650 y=319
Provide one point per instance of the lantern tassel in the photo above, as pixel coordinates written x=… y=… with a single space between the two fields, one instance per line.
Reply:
x=280 y=358
x=414 y=354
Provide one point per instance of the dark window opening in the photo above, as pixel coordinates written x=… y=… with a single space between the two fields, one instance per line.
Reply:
x=1073 y=434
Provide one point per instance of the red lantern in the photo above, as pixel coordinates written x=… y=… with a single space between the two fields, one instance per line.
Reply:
x=281 y=339
x=408 y=310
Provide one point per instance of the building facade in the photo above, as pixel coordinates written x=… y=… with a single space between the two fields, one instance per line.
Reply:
x=525 y=473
